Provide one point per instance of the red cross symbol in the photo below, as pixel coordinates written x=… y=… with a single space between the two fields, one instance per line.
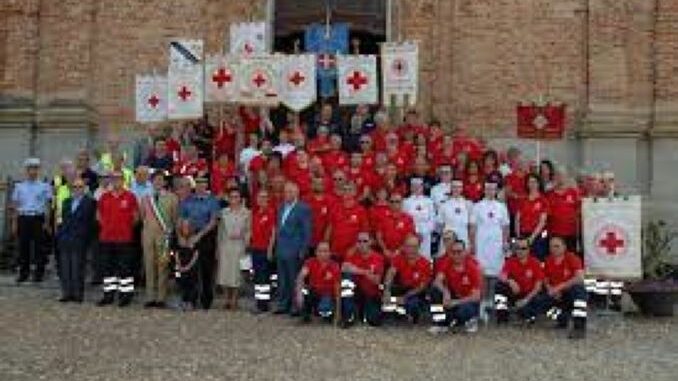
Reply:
x=221 y=77
x=259 y=80
x=297 y=78
x=326 y=61
x=490 y=215
x=357 y=80
x=153 y=101
x=184 y=93
x=611 y=243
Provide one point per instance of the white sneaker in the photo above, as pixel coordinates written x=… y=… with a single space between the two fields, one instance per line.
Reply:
x=471 y=326
x=437 y=330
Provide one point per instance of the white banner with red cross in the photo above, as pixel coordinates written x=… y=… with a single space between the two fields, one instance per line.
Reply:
x=185 y=92
x=357 y=77
x=400 y=73
x=185 y=52
x=151 y=98
x=612 y=237
x=259 y=80
x=248 y=38
x=221 y=78
x=298 y=87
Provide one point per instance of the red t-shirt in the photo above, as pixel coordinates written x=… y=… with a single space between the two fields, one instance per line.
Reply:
x=301 y=177
x=319 y=146
x=263 y=222
x=224 y=142
x=515 y=181
x=471 y=146
x=373 y=262
x=219 y=176
x=116 y=214
x=395 y=228
x=461 y=281
x=473 y=191
x=369 y=161
x=323 y=276
x=562 y=269
x=401 y=160
x=362 y=178
x=411 y=274
x=526 y=274
x=564 y=212
x=250 y=121
x=379 y=140
x=347 y=223
x=335 y=160
x=377 y=214
x=530 y=211
x=320 y=216
x=174 y=148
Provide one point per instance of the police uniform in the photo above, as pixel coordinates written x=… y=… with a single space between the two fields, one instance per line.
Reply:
x=31 y=199
x=423 y=213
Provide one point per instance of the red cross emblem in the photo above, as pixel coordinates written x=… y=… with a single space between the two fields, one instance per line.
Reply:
x=259 y=80
x=221 y=77
x=326 y=61
x=184 y=93
x=357 y=80
x=457 y=211
x=154 y=101
x=611 y=242
x=418 y=208
x=354 y=218
x=297 y=78
x=264 y=219
x=490 y=215
x=323 y=210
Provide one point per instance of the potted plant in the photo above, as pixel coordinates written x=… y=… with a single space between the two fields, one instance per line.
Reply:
x=657 y=293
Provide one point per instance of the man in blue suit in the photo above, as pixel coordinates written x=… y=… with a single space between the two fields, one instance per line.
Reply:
x=73 y=238
x=292 y=240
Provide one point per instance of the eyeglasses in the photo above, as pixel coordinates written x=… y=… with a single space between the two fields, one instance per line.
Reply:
x=363 y=240
x=522 y=248
x=78 y=186
x=396 y=201
x=365 y=142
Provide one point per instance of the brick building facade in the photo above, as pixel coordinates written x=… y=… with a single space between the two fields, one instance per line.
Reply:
x=67 y=71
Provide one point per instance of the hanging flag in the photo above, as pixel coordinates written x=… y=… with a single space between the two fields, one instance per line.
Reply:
x=259 y=80
x=298 y=88
x=357 y=77
x=327 y=42
x=185 y=92
x=220 y=78
x=612 y=237
x=185 y=52
x=400 y=71
x=535 y=121
x=151 y=98
x=248 y=38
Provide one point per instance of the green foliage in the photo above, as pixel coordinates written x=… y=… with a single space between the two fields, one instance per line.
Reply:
x=657 y=241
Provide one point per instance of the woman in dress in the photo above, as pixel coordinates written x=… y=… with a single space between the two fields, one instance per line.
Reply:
x=234 y=235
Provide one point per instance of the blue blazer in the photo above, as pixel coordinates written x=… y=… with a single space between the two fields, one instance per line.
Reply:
x=294 y=236
x=77 y=226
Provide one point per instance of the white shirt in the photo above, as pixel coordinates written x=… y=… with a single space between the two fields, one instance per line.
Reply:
x=455 y=214
x=284 y=149
x=490 y=217
x=422 y=211
x=440 y=193
x=246 y=155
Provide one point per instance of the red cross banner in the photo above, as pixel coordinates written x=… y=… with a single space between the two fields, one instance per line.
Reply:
x=248 y=38
x=185 y=92
x=612 y=237
x=542 y=122
x=259 y=80
x=400 y=73
x=298 y=87
x=151 y=98
x=221 y=78
x=357 y=77
x=185 y=52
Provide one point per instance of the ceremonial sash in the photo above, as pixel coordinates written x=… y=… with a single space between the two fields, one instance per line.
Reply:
x=159 y=215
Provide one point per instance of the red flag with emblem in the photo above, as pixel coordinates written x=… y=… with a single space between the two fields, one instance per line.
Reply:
x=540 y=122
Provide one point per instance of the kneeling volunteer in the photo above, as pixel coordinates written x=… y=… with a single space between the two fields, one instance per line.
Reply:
x=317 y=284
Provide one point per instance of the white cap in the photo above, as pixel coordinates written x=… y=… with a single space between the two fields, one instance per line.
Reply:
x=32 y=162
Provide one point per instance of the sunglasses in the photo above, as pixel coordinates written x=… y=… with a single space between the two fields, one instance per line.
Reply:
x=365 y=142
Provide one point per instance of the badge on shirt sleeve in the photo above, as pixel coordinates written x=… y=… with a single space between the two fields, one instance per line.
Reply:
x=528 y=274
x=465 y=281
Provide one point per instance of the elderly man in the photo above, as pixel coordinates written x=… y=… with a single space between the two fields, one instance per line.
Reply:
x=30 y=220
x=141 y=186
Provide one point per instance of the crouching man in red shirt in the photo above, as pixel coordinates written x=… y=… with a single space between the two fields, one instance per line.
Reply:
x=362 y=272
x=565 y=288
x=455 y=294
x=406 y=281
x=317 y=284
x=520 y=285
x=117 y=213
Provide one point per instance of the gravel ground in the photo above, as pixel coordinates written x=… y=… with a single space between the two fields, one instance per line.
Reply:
x=43 y=339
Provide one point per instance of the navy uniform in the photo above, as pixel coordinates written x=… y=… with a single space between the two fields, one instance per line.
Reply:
x=30 y=200
x=202 y=211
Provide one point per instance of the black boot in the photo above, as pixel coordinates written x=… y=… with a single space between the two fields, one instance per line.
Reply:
x=106 y=300
x=125 y=300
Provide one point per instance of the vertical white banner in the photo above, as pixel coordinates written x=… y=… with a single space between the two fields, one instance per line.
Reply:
x=221 y=83
x=357 y=77
x=259 y=80
x=298 y=87
x=247 y=39
x=185 y=92
x=400 y=73
x=151 y=98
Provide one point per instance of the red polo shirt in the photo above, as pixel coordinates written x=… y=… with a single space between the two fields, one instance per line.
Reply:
x=347 y=223
x=515 y=181
x=526 y=274
x=320 y=216
x=412 y=274
x=401 y=160
x=530 y=211
x=219 y=176
x=116 y=214
x=377 y=214
x=461 y=281
x=395 y=228
x=473 y=191
x=323 y=276
x=263 y=222
x=562 y=269
x=335 y=160
x=564 y=211
x=373 y=262
x=224 y=142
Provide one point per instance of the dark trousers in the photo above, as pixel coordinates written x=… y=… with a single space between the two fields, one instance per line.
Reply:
x=207 y=265
x=356 y=306
x=540 y=247
x=118 y=261
x=457 y=315
x=139 y=273
x=262 y=279
x=288 y=269
x=504 y=299
x=322 y=305
x=31 y=245
x=412 y=307
x=572 y=304
x=72 y=268
x=188 y=280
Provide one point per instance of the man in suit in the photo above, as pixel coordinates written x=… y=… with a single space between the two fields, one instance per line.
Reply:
x=73 y=238
x=291 y=244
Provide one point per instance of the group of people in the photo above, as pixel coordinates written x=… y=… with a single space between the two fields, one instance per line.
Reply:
x=357 y=221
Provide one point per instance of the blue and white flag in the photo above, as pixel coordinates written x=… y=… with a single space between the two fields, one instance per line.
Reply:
x=326 y=43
